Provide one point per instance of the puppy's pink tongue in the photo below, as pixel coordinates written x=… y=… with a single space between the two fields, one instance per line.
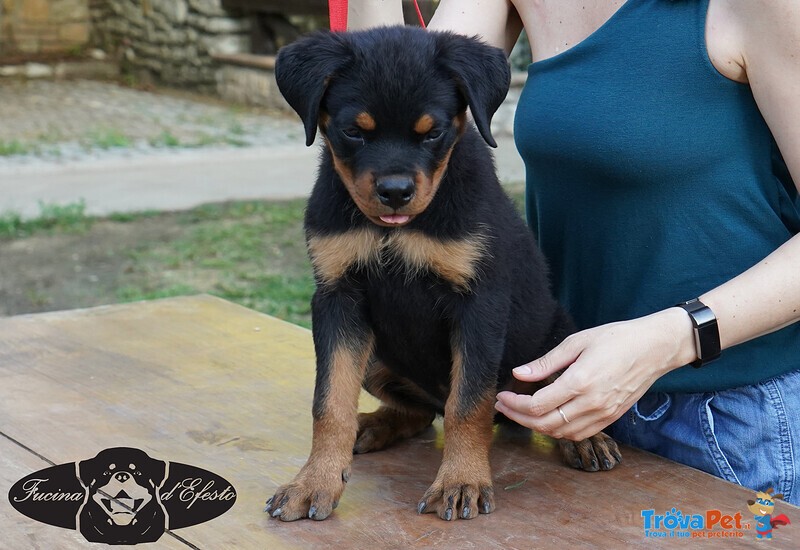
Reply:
x=395 y=219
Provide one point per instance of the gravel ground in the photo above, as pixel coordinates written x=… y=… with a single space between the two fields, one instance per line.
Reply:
x=67 y=121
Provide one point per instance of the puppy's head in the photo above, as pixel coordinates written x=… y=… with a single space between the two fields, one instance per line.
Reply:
x=391 y=104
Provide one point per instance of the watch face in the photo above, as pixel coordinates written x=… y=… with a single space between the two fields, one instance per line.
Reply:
x=706 y=331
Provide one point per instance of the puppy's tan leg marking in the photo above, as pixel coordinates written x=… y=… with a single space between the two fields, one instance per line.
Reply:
x=463 y=487
x=316 y=489
x=406 y=410
x=379 y=429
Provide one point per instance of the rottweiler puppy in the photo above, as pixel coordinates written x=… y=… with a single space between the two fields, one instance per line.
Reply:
x=430 y=288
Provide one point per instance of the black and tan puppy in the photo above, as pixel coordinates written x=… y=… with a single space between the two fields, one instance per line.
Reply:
x=430 y=288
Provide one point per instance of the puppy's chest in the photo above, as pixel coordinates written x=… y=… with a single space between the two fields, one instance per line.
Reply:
x=398 y=258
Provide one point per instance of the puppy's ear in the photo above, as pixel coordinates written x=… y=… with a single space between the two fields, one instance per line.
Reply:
x=482 y=74
x=303 y=70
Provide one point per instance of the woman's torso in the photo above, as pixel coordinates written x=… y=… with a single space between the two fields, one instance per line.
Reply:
x=652 y=176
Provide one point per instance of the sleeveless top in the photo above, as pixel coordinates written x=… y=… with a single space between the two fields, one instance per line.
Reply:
x=652 y=178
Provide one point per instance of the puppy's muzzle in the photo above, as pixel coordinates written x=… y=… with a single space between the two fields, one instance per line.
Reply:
x=395 y=191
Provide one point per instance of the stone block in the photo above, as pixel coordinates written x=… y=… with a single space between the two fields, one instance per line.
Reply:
x=249 y=86
x=207 y=7
x=38 y=70
x=174 y=10
x=69 y=10
x=219 y=25
x=225 y=44
x=34 y=10
x=74 y=33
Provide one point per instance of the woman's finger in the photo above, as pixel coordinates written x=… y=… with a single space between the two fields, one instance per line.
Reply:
x=557 y=359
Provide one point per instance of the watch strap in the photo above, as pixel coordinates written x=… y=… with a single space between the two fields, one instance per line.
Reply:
x=706 y=331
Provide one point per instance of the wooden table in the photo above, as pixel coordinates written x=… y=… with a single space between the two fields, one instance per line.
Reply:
x=205 y=382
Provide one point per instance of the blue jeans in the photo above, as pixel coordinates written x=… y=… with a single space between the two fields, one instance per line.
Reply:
x=748 y=435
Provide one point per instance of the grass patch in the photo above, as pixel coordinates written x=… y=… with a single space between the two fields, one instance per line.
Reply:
x=165 y=139
x=251 y=253
x=107 y=139
x=66 y=218
x=15 y=147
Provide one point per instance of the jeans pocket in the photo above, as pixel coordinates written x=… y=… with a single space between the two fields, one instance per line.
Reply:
x=724 y=468
x=652 y=406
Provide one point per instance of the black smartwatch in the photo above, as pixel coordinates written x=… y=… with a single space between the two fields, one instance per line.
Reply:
x=706 y=331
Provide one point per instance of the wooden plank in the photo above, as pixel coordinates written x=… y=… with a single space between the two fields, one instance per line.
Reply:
x=204 y=382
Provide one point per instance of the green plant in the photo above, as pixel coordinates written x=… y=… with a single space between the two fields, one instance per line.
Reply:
x=52 y=217
x=107 y=139
x=165 y=139
x=14 y=147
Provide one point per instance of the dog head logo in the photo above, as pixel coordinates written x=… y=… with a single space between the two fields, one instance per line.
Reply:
x=392 y=154
x=122 y=496
x=762 y=508
x=124 y=504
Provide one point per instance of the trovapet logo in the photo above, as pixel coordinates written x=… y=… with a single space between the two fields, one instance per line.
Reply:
x=762 y=508
x=709 y=524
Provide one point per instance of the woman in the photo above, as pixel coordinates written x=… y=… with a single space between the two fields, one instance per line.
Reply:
x=662 y=146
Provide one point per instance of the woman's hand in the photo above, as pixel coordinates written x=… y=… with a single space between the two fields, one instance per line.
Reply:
x=608 y=368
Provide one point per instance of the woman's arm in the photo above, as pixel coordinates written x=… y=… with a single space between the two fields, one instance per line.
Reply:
x=767 y=297
x=362 y=14
x=495 y=21
x=610 y=367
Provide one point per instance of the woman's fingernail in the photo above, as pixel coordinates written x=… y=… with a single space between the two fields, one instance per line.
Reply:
x=524 y=369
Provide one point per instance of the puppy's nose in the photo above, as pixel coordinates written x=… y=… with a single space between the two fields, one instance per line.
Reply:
x=395 y=191
x=122 y=477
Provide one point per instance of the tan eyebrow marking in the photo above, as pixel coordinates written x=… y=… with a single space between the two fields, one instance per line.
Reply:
x=424 y=124
x=365 y=121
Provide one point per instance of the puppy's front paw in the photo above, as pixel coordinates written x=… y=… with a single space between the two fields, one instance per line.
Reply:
x=599 y=452
x=312 y=494
x=458 y=495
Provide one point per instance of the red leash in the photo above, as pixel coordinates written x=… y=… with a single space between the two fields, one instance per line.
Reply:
x=337 y=10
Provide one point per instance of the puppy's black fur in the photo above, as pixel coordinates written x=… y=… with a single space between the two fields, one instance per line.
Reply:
x=430 y=287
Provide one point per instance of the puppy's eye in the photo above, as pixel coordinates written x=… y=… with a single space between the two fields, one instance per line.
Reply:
x=434 y=134
x=353 y=133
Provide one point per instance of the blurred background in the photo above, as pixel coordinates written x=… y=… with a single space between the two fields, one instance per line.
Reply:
x=145 y=152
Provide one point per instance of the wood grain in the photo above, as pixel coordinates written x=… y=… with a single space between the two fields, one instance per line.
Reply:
x=202 y=381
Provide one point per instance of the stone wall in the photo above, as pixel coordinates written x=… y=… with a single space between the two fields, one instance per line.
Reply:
x=170 y=40
x=33 y=27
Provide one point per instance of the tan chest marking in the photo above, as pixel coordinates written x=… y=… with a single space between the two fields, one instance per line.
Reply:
x=456 y=261
x=333 y=255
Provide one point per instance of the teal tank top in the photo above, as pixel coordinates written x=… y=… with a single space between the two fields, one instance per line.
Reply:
x=652 y=178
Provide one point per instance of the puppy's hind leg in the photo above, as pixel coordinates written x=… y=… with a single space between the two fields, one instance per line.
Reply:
x=405 y=411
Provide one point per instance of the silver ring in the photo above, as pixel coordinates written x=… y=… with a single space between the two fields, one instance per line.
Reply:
x=564 y=416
